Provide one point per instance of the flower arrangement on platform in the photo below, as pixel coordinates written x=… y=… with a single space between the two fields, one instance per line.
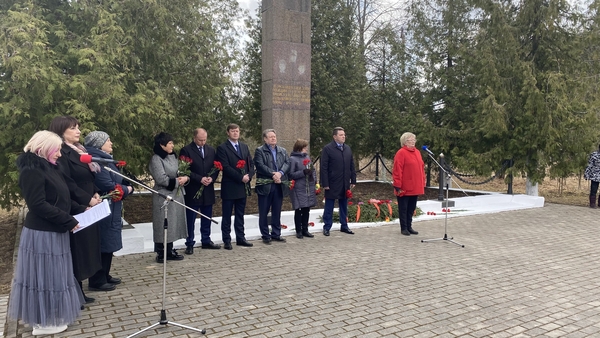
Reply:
x=115 y=195
x=373 y=211
x=217 y=166
x=317 y=189
x=241 y=165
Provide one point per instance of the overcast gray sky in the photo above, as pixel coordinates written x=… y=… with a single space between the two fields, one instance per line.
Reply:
x=249 y=5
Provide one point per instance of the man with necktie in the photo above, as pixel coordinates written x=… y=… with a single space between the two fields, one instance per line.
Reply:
x=272 y=163
x=203 y=157
x=337 y=177
x=235 y=185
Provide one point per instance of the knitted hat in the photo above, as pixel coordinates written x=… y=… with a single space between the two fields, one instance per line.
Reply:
x=96 y=139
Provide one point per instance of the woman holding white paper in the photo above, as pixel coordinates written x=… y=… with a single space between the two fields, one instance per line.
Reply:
x=45 y=293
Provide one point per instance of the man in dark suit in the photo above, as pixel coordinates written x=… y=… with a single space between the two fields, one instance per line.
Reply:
x=337 y=177
x=203 y=158
x=272 y=163
x=235 y=185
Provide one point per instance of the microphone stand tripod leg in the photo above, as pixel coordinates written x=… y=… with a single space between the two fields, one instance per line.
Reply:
x=163 y=313
x=445 y=238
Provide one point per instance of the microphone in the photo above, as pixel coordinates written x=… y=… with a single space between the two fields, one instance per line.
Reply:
x=87 y=158
x=427 y=150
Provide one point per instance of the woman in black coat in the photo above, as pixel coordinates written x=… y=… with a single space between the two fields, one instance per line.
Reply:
x=45 y=293
x=98 y=144
x=85 y=244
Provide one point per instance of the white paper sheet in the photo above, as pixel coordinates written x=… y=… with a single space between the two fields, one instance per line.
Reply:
x=92 y=215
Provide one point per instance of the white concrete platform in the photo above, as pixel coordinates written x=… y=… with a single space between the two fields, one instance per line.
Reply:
x=139 y=239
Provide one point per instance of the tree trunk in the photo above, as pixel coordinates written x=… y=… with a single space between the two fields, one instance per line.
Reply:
x=531 y=189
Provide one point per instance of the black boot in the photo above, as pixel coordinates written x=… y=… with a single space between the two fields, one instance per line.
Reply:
x=159 y=256
x=305 y=216
x=159 y=248
x=305 y=232
x=298 y=222
x=87 y=299
x=172 y=254
x=593 y=201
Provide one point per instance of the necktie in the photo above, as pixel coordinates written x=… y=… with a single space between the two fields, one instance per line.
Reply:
x=341 y=147
x=237 y=148
x=201 y=151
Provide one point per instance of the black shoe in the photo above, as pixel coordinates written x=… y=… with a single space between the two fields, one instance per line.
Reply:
x=266 y=241
x=210 y=245
x=227 y=246
x=82 y=307
x=174 y=256
x=88 y=300
x=113 y=280
x=103 y=287
x=412 y=232
x=348 y=231
x=189 y=250
x=307 y=234
x=326 y=232
x=159 y=258
x=244 y=243
x=278 y=239
x=299 y=235
x=405 y=232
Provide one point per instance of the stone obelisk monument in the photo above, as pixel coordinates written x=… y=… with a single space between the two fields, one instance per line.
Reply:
x=286 y=69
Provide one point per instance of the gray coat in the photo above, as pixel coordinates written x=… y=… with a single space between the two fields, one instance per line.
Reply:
x=164 y=173
x=299 y=196
x=263 y=159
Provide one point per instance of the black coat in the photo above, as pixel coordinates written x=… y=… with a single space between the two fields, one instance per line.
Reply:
x=78 y=175
x=85 y=244
x=232 y=186
x=111 y=226
x=337 y=170
x=46 y=193
x=200 y=168
x=263 y=159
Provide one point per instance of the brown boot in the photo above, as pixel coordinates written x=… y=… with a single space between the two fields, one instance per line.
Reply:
x=593 y=201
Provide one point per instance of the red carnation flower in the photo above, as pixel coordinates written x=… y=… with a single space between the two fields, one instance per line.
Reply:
x=348 y=193
x=241 y=164
x=185 y=159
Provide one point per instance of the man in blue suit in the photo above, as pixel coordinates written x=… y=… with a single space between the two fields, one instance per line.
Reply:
x=337 y=177
x=235 y=185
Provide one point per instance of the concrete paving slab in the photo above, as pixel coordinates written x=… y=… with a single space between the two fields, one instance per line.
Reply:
x=522 y=273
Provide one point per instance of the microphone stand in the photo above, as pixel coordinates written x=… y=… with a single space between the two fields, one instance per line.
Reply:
x=447 y=178
x=163 y=313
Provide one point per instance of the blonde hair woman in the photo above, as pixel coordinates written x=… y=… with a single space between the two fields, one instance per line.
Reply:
x=409 y=181
x=45 y=293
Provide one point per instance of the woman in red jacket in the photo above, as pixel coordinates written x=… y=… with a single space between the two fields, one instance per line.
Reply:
x=409 y=180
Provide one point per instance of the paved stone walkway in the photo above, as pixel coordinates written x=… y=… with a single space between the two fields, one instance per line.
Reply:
x=528 y=273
